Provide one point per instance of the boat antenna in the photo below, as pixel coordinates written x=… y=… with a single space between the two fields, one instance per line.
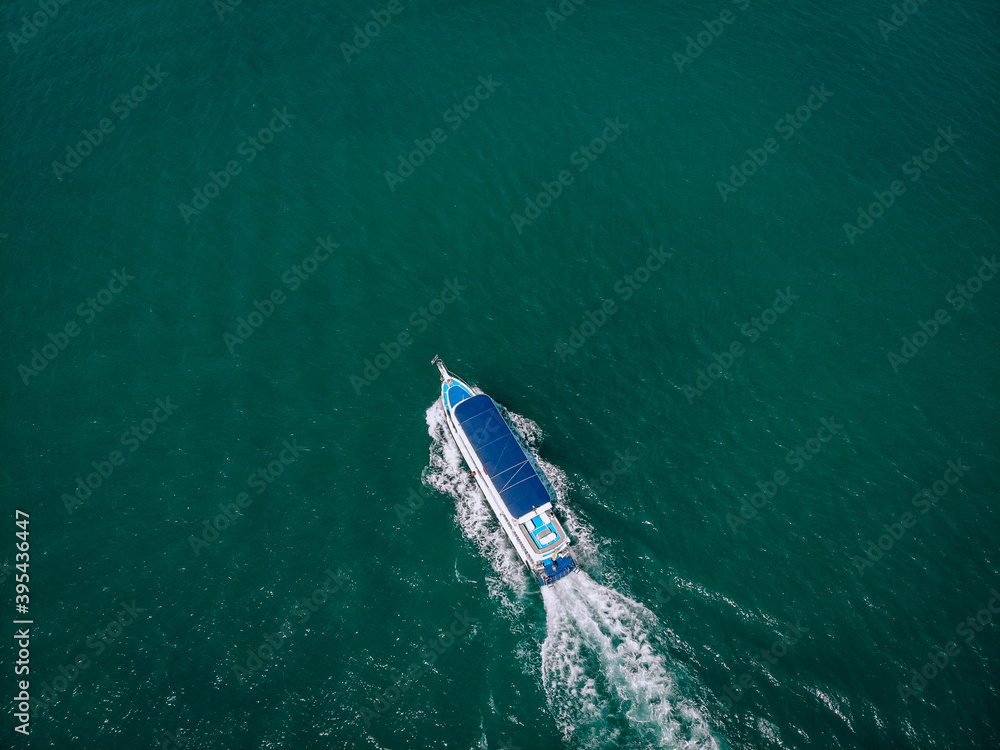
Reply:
x=441 y=368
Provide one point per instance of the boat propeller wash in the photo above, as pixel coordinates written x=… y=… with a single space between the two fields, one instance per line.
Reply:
x=602 y=659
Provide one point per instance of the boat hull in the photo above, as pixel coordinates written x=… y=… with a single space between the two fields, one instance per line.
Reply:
x=519 y=494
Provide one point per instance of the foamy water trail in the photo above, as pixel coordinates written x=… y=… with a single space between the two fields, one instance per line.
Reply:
x=448 y=474
x=607 y=683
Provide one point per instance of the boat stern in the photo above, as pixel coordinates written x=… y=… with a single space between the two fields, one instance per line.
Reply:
x=554 y=569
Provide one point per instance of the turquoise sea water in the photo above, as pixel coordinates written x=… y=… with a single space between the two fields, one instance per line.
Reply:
x=252 y=462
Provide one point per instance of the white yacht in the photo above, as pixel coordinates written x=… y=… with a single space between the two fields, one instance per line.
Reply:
x=507 y=472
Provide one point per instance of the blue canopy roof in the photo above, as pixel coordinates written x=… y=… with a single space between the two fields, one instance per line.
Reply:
x=502 y=456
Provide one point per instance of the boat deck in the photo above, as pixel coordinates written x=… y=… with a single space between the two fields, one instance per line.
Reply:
x=454 y=393
x=543 y=537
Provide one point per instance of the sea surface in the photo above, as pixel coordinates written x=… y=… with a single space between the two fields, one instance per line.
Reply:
x=730 y=265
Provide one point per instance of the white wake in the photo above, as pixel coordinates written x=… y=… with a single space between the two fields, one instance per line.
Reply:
x=607 y=682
